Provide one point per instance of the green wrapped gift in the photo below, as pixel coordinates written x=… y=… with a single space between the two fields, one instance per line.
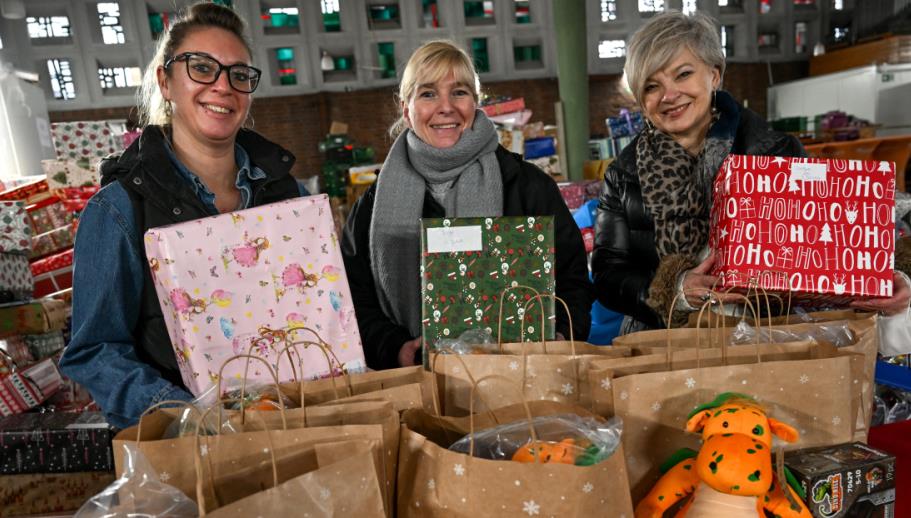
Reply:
x=466 y=265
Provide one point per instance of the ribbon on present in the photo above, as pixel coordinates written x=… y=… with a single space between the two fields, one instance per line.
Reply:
x=785 y=258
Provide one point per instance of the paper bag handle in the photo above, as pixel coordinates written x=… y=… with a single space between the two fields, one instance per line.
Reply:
x=327 y=349
x=197 y=456
x=521 y=326
x=243 y=386
x=471 y=430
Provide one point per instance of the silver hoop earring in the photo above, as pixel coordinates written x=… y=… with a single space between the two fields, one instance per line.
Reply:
x=251 y=121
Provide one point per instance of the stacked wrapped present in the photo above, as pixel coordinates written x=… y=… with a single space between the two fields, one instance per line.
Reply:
x=536 y=142
x=56 y=451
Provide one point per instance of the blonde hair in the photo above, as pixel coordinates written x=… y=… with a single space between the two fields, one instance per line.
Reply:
x=152 y=106
x=431 y=62
x=657 y=42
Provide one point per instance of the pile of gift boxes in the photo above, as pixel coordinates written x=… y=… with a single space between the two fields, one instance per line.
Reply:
x=536 y=142
x=56 y=446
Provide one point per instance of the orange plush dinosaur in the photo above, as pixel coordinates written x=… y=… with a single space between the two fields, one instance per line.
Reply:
x=732 y=474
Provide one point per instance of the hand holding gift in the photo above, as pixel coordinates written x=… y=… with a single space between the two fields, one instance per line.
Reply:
x=698 y=285
x=897 y=303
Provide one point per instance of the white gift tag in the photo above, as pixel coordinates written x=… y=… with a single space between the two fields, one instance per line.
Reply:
x=808 y=172
x=454 y=239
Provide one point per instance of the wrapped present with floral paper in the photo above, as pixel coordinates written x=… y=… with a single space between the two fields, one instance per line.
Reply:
x=88 y=139
x=30 y=192
x=53 y=273
x=23 y=389
x=55 y=442
x=16 y=283
x=81 y=172
x=15 y=228
x=249 y=279
x=56 y=240
x=37 y=317
x=466 y=265
x=823 y=230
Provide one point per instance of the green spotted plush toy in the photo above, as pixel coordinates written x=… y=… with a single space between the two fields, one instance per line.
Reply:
x=731 y=475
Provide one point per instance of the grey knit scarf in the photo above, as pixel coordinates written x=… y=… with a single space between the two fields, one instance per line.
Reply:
x=395 y=230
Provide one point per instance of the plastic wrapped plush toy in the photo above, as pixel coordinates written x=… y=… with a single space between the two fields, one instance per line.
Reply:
x=731 y=476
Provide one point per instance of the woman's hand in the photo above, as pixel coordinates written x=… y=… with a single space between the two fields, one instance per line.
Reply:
x=407 y=352
x=697 y=285
x=893 y=305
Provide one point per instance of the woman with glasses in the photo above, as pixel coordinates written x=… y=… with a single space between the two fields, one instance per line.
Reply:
x=192 y=160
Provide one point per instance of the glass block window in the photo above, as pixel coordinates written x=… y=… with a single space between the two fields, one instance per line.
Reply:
x=480 y=54
x=478 y=12
x=731 y=5
x=286 y=69
x=800 y=37
x=767 y=40
x=727 y=40
x=60 y=72
x=430 y=13
x=608 y=49
x=651 y=6
x=608 y=10
x=159 y=22
x=332 y=20
x=838 y=5
x=1 y=43
x=689 y=6
x=765 y=6
x=386 y=59
x=281 y=18
x=804 y=3
x=383 y=16
x=48 y=27
x=523 y=11
x=527 y=56
x=119 y=77
x=109 y=18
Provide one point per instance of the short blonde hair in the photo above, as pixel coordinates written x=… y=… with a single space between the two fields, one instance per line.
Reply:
x=656 y=43
x=431 y=62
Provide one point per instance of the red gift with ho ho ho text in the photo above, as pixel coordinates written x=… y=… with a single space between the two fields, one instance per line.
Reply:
x=822 y=229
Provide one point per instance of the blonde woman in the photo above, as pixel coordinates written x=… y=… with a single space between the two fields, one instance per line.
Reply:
x=192 y=160
x=445 y=162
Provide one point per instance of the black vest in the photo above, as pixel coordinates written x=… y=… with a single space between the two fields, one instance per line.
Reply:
x=160 y=196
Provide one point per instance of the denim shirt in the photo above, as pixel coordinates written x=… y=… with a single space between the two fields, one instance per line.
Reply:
x=107 y=294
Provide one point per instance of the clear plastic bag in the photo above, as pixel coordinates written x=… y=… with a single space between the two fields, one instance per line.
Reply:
x=472 y=341
x=838 y=334
x=139 y=492
x=256 y=397
x=562 y=438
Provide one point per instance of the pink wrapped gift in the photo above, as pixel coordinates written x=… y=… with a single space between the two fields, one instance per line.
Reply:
x=248 y=278
x=573 y=194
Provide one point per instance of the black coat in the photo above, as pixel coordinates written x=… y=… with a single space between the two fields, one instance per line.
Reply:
x=527 y=191
x=625 y=260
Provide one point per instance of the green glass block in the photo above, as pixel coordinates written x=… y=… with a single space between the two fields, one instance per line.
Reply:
x=279 y=19
x=474 y=9
x=479 y=51
x=343 y=62
x=523 y=18
x=284 y=54
x=527 y=53
x=288 y=79
x=156 y=23
x=332 y=22
x=294 y=20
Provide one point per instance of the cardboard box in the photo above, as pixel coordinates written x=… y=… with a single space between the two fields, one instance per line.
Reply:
x=845 y=480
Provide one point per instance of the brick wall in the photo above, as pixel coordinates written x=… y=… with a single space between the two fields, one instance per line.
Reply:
x=300 y=122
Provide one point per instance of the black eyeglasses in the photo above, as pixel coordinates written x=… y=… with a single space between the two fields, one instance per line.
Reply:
x=205 y=69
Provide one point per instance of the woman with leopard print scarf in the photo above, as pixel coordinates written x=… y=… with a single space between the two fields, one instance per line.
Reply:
x=652 y=228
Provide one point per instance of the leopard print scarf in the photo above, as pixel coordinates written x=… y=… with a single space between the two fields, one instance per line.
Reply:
x=677 y=189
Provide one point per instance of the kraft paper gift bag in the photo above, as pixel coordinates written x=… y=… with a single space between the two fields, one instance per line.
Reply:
x=434 y=481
